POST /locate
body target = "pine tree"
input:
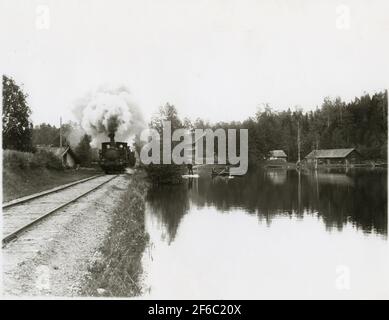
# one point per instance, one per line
(84, 151)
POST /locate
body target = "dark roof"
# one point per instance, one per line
(329, 153)
(71, 152)
(277, 153)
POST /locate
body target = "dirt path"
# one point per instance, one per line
(52, 258)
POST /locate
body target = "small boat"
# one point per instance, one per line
(189, 176)
(222, 173)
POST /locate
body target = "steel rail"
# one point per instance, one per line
(16, 233)
(44, 193)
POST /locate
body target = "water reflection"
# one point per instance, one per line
(169, 204)
(276, 176)
(338, 197)
(269, 234)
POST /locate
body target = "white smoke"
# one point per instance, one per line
(73, 133)
(109, 111)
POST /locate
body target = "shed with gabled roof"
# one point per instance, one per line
(277, 155)
(334, 156)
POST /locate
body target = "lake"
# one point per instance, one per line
(269, 234)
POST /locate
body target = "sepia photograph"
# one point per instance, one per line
(193, 150)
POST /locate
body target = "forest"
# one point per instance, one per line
(361, 124)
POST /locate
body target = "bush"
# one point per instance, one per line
(17, 159)
(164, 173)
(48, 160)
(25, 160)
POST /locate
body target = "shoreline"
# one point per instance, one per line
(325, 166)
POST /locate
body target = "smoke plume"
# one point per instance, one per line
(109, 111)
(73, 133)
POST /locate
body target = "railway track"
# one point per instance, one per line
(20, 215)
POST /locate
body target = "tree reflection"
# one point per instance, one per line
(359, 197)
(169, 204)
(337, 197)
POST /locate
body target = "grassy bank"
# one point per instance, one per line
(116, 270)
(26, 173)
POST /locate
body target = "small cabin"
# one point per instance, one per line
(277, 155)
(333, 156)
(66, 154)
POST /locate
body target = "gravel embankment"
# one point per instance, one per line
(52, 258)
(116, 270)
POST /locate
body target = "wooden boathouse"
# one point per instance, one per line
(277, 155)
(333, 157)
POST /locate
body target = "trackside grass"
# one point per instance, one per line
(26, 173)
(116, 269)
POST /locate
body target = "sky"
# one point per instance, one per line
(215, 59)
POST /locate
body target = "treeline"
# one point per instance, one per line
(361, 124)
(49, 135)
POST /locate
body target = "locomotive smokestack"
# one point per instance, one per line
(112, 138)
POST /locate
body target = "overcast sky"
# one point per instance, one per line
(215, 59)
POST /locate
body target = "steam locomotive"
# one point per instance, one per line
(115, 157)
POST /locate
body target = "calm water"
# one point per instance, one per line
(270, 234)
